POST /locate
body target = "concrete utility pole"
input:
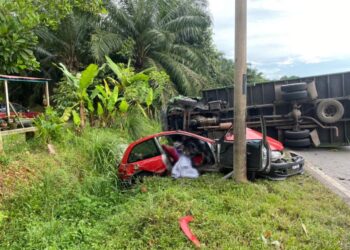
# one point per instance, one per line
(239, 95)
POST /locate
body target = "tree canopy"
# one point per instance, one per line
(174, 36)
(18, 21)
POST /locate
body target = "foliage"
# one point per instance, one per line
(168, 35)
(69, 43)
(17, 43)
(19, 19)
(63, 96)
(254, 76)
(292, 77)
(113, 97)
(80, 82)
(106, 104)
(222, 72)
(134, 87)
(104, 149)
(162, 88)
(33, 13)
(50, 126)
(138, 125)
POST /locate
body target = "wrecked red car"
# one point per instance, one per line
(156, 155)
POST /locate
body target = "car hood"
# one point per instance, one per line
(252, 134)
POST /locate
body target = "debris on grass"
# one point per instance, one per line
(304, 229)
(184, 221)
(51, 149)
(267, 239)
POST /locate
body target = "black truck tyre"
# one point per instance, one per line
(329, 111)
(294, 87)
(297, 95)
(297, 143)
(301, 134)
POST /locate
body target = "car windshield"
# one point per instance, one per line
(16, 106)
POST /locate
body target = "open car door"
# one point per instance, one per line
(144, 156)
(258, 153)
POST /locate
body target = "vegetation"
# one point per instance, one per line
(167, 35)
(174, 37)
(289, 77)
(50, 126)
(105, 101)
(18, 21)
(121, 61)
(72, 201)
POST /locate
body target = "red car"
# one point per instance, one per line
(156, 155)
(21, 111)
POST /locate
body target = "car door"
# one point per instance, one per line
(146, 156)
(258, 157)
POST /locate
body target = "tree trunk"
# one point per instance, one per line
(82, 115)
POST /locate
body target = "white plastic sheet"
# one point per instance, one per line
(183, 168)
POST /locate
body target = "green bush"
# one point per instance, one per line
(50, 126)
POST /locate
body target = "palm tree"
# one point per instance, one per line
(168, 35)
(69, 43)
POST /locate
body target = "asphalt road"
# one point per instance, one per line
(335, 163)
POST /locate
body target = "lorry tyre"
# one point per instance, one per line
(301, 134)
(297, 143)
(294, 87)
(329, 111)
(297, 95)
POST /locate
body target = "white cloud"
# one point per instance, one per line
(287, 61)
(285, 32)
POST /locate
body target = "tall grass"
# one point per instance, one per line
(136, 125)
(105, 148)
(71, 191)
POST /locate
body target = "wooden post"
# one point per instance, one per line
(47, 96)
(7, 101)
(240, 97)
(1, 145)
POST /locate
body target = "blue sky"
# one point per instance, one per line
(289, 37)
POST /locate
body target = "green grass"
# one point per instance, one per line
(72, 201)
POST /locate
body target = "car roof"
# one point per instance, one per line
(174, 132)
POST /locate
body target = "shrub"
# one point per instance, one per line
(50, 126)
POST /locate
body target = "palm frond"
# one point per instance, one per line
(173, 68)
(104, 43)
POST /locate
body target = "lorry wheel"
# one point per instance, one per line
(297, 95)
(297, 143)
(329, 111)
(301, 134)
(294, 87)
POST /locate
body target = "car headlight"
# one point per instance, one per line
(275, 156)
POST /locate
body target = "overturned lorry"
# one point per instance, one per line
(300, 112)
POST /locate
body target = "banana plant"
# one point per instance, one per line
(81, 82)
(106, 104)
(133, 87)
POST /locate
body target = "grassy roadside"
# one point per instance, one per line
(71, 201)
